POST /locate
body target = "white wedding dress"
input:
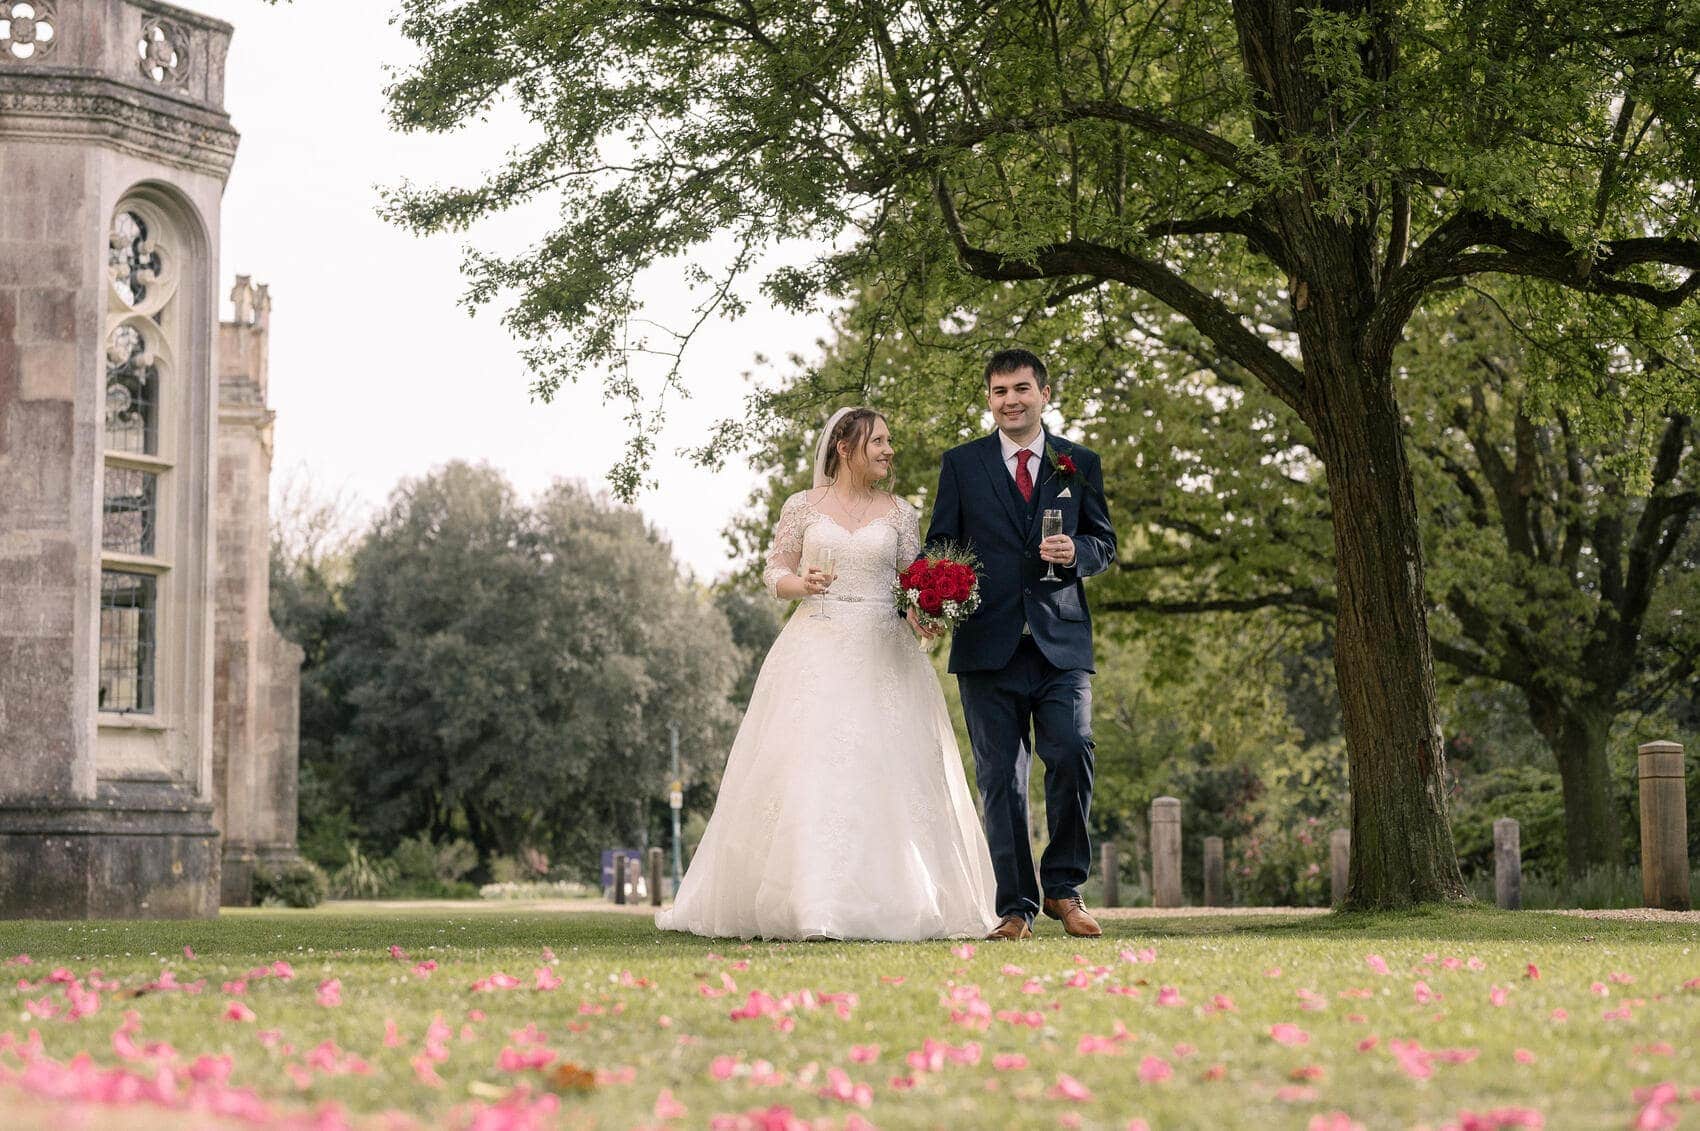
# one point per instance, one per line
(843, 812)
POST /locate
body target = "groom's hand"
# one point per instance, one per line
(1058, 548)
(921, 630)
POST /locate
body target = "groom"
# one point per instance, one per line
(1024, 659)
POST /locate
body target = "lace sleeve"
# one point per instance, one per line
(786, 552)
(908, 534)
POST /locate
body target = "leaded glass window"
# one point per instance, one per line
(132, 393)
(142, 446)
(130, 508)
(128, 637)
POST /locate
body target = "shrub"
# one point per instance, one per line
(1281, 865)
(1529, 794)
(363, 877)
(299, 883)
(425, 869)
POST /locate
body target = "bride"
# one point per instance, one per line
(843, 812)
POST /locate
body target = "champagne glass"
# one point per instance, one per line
(1050, 527)
(824, 561)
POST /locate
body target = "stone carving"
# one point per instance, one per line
(73, 114)
(27, 30)
(133, 261)
(164, 51)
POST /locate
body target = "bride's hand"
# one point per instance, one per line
(921, 630)
(817, 581)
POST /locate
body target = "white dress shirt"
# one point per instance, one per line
(1010, 447)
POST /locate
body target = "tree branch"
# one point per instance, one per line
(1210, 315)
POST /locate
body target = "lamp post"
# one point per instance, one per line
(676, 802)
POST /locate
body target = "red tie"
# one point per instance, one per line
(1023, 478)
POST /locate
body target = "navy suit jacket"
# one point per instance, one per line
(978, 505)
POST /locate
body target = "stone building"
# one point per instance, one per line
(256, 672)
(114, 152)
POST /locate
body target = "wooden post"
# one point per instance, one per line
(1507, 864)
(656, 856)
(1166, 852)
(1213, 872)
(1664, 828)
(1109, 865)
(1339, 865)
(619, 877)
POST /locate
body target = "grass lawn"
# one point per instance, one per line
(1394, 1021)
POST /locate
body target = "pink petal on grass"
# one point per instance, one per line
(1523, 1056)
(424, 969)
(236, 1011)
(1498, 995)
(1532, 972)
(282, 969)
(425, 1072)
(666, 1107)
(1377, 963)
(1009, 1062)
(330, 992)
(864, 1054)
(546, 979)
(1334, 1121)
(1168, 995)
(1154, 1070)
(964, 951)
(1285, 1033)
(1068, 1088)
(189, 953)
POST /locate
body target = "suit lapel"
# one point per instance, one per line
(1003, 486)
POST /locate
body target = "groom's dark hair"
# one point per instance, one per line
(1010, 361)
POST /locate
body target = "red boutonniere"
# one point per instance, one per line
(1063, 465)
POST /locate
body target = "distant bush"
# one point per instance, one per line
(299, 883)
(362, 876)
(1529, 794)
(429, 870)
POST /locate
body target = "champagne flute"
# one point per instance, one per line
(824, 561)
(1050, 527)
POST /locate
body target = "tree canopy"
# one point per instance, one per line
(1355, 159)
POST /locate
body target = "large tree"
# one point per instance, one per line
(1360, 154)
(509, 671)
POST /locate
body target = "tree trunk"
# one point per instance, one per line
(1578, 738)
(1402, 851)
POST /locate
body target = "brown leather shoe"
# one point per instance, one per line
(1011, 928)
(1075, 919)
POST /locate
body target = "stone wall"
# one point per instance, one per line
(256, 672)
(103, 814)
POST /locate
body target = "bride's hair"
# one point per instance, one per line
(854, 426)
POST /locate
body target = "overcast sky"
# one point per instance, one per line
(377, 372)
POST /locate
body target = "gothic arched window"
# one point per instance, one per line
(140, 445)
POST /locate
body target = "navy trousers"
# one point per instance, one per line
(1032, 706)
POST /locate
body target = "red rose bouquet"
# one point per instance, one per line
(942, 591)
